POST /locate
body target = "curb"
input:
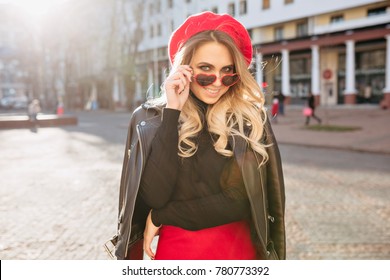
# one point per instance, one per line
(15, 122)
(342, 148)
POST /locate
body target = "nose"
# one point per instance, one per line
(218, 82)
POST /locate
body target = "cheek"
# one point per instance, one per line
(195, 88)
(224, 91)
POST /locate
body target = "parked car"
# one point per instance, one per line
(14, 102)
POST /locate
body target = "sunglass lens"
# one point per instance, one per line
(205, 80)
(229, 80)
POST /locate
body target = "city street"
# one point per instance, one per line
(59, 194)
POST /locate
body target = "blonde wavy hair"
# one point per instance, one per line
(239, 110)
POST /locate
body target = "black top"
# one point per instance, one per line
(311, 102)
(201, 191)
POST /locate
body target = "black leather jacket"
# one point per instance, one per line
(265, 188)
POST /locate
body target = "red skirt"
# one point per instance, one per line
(226, 242)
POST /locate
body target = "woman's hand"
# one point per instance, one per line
(150, 232)
(177, 87)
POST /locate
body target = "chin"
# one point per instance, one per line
(210, 100)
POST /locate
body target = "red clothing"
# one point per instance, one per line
(275, 108)
(226, 242)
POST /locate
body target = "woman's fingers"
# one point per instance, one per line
(177, 87)
(180, 78)
(147, 245)
(148, 249)
(150, 232)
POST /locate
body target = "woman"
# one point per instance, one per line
(311, 104)
(202, 169)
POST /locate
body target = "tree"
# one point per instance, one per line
(125, 36)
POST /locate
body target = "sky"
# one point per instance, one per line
(36, 8)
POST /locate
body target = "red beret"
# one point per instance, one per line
(210, 21)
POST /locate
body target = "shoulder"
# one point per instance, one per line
(146, 113)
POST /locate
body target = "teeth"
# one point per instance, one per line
(212, 91)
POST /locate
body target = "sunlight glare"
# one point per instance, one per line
(36, 8)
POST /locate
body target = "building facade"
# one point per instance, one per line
(339, 51)
(84, 51)
(15, 88)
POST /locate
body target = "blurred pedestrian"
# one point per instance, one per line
(202, 168)
(281, 99)
(34, 108)
(311, 113)
(367, 93)
(275, 109)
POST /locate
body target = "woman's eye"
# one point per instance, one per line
(228, 69)
(205, 68)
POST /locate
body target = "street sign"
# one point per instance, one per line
(327, 74)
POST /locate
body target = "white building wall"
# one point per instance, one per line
(352, 24)
(256, 17)
(280, 12)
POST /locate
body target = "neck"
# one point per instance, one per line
(199, 103)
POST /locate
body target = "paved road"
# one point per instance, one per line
(59, 188)
(338, 204)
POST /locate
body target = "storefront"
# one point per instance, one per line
(355, 62)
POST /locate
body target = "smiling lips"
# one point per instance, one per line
(212, 91)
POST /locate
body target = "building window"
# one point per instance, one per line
(250, 32)
(188, 1)
(172, 25)
(278, 33)
(158, 32)
(158, 6)
(161, 52)
(288, 1)
(370, 60)
(243, 10)
(151, 31)
(231, 9)
(214, 10)
(302, 29)
(266, 4)
(170, 3)
(341, 64)
(376, 11)
(300, 66)
(336, 18)
(151, 9)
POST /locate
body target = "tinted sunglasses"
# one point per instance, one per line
(207, 79)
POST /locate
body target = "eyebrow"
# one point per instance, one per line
(213, 66)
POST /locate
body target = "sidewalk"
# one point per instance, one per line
(374, 135)
(59, 189)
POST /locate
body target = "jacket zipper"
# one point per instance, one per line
(125, 195)
(255, 220)
(266, 216)
(265, 209)
(139, 182)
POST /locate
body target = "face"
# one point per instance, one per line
(211, 59)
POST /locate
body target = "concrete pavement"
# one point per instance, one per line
(337, 201)
(59, 187)
(373, 135)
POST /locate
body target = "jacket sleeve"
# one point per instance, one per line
(122, 187)
(161, 169)
(276, 193)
